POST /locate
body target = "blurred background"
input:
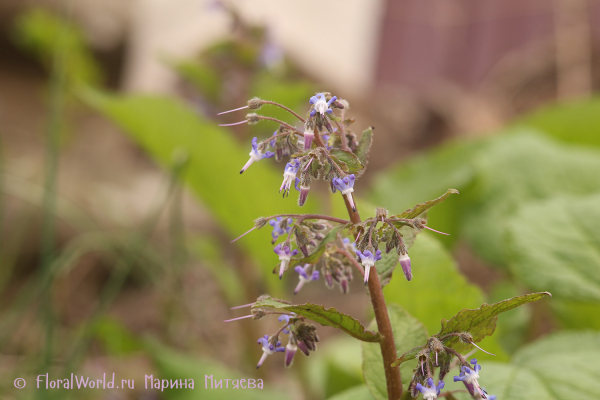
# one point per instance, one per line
(119, 194)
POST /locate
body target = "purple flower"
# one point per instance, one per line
(289, 176)
(430, 392)
(405, 264)
(309, 135)
(284, 318)
(304, 277)
(368, 260)
(277, 229)
(290, 352)
(285, 255)
(322, 106)
(346, 186)
(469, 377)
(268, 349)
(256, 155)
(303, 195)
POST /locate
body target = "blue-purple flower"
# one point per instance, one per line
(469, 377)
(278, 230)
(285, 254)
(322, 106)
(346, 186)
(256, 155)
(405, 264)
(304, 276)
(268, 349)
(289, 176)
(430, 392)
(368, 260)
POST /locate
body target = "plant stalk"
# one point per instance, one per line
(388, 347)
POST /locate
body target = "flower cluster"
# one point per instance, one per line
(313, 162)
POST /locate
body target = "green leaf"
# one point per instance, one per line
(174, 365)
(437, 280)
(356, 393)
(517, 169)
(348, 158)
(408, 333)
(165, 127)
(576, 314)
(314, 257)
(555, 245)
(424, 177)
(573, 122)
(557, 367)
(324, 316)
(421, 208)
(481, 322)
(335, 368)
(364, 149)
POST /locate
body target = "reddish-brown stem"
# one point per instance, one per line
(388, 347)
(342, 129)
(318, 140)
(284, 107)
(352, 260)
(279, 122)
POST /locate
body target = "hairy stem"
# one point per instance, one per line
(285, 108)
(388, 347)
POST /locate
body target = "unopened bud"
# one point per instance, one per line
(255, 103)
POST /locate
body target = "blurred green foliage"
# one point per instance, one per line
(528, 206)
(44, 34)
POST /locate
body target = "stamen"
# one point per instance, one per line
(426, 227)
(235, 319)
(235, 123)
(237, 109)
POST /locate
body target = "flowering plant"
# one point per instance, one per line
(336, 155)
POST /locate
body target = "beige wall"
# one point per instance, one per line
(335, 40)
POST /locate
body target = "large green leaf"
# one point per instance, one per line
(425, 177)
(334, 368)
(518, 169)
(348, 158)
(408, 333)
(166, 128)
(576, 314)
(324, 316)
(172, 365)
(438, 284)
(423, 207)
(481, 322)
(364, 149)
(555, 246)
(558, 367)
(575, 122)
